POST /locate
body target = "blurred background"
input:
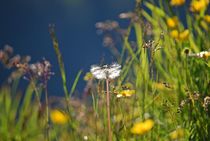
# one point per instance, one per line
(24, 26)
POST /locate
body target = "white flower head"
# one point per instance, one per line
(85, 138)
(106, 71)
(201, 54)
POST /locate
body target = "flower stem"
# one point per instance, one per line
(108, 111)
(35, 90)
(47, 113)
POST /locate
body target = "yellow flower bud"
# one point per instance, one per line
(127, 93)
(177, 2)
(58, 117)
(174, 34)
(184, 35)
(172, 22)
(177, 134)
(198, 5)
(142, 127)
(207, 18)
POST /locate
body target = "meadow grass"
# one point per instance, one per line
(162, 91)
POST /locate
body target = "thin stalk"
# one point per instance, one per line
(108, 111)
(47, 113)
(32, 80)
(152, 79)
(61, 66)
(36, 93)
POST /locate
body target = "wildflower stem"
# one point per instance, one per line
(33, 82)
(60, 60)
(108, 110)
(47, 112)
(36, 93)
(61, 66)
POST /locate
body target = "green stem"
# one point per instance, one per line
(108, 111)
(36, 93)
(47, 112)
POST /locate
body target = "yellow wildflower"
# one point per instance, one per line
(172, 22)
(198, 5)
(181, 36)
(177, 2)
(142, 127)
(207, 18)
(177, 134)
(126, 93)
(58, 117)
(184, 35)
(174, 34)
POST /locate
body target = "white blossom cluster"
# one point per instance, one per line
(200, 54)
(106, 71)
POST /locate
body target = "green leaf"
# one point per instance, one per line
(75, 83)
(155, 9)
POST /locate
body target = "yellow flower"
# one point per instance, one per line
(142, 127)
(174, 34)
(126, 93)
(58, 117)
(177, 134)
(207, 18)
(198, 5)
(184, 35)
(181, 36)
(172, 22)
(177, 2)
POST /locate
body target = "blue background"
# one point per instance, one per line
(24, 26)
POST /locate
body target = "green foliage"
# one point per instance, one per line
(19, 118)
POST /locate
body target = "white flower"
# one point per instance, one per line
(200, 54)
(106, 71)
(97, 72)
(85, 138)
